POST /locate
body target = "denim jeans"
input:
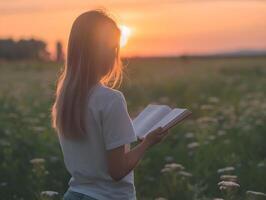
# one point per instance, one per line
(71, 195)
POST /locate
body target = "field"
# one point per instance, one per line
(225, 136)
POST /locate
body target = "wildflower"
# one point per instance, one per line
(185, 174)
(7, 131)
(223, 185)
(4, 143)
(228, 178)
(221, 133)
(206, 107)
(163, 170)
(38, 128)
(168, 158)
(254, 193)
(193, 145)
(261, 164)
(53, 158)
(160, 198)
(211, 137)
(213, 100)
(3, 184)
(226, 169)
(189, 135)
(49, 193)
(37, 161)
(174, 166)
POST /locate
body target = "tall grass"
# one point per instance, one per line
(225, 138)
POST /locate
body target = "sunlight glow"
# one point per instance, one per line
(125, 34)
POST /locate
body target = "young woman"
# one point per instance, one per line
(91, 119)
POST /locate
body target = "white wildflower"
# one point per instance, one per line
(38, 128)
(185, 174)
(168, 158)
(193, 145)
(4, 143)
(163, 170)
(189, 135)
(3, 184)
(223, 185)
(206, 107)
(37, 161)
(226, 170)
(174, 166)
(53, 158)
(228, 178)
(160, 198)
(261, 164)
(221, 133)
(213, 100)
(211, 137)
(49, 193)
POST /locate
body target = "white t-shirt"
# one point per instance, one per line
(109, 127)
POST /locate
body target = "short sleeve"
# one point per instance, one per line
(117, 124)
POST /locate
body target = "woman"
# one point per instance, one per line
(91, 118)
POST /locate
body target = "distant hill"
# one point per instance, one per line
(244, 52)
(229, 54)
(237, 53)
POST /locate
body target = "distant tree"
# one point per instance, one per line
(6, 48)
(23, 49)
(59, 52)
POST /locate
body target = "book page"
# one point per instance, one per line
(151, 115)
(170, 118)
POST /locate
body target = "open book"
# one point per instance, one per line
(155, 116)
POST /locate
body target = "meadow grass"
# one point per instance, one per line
(223, 142)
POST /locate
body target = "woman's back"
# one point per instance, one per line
(95, 133)
(109, 127)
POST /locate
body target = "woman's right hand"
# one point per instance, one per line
(155, 136)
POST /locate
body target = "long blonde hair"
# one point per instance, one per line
(92, 57)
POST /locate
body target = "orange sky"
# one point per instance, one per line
(159, 27)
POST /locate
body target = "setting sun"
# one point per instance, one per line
(125, 33)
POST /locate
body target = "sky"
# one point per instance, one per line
(158, 27)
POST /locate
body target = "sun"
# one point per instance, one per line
(125, 34)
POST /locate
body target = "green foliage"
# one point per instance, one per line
(227, 129)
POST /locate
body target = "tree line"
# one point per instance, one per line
(27, 49)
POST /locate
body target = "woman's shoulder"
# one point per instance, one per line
(107, 92)
(105, 95)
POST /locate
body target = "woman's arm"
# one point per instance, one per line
(122, 160)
